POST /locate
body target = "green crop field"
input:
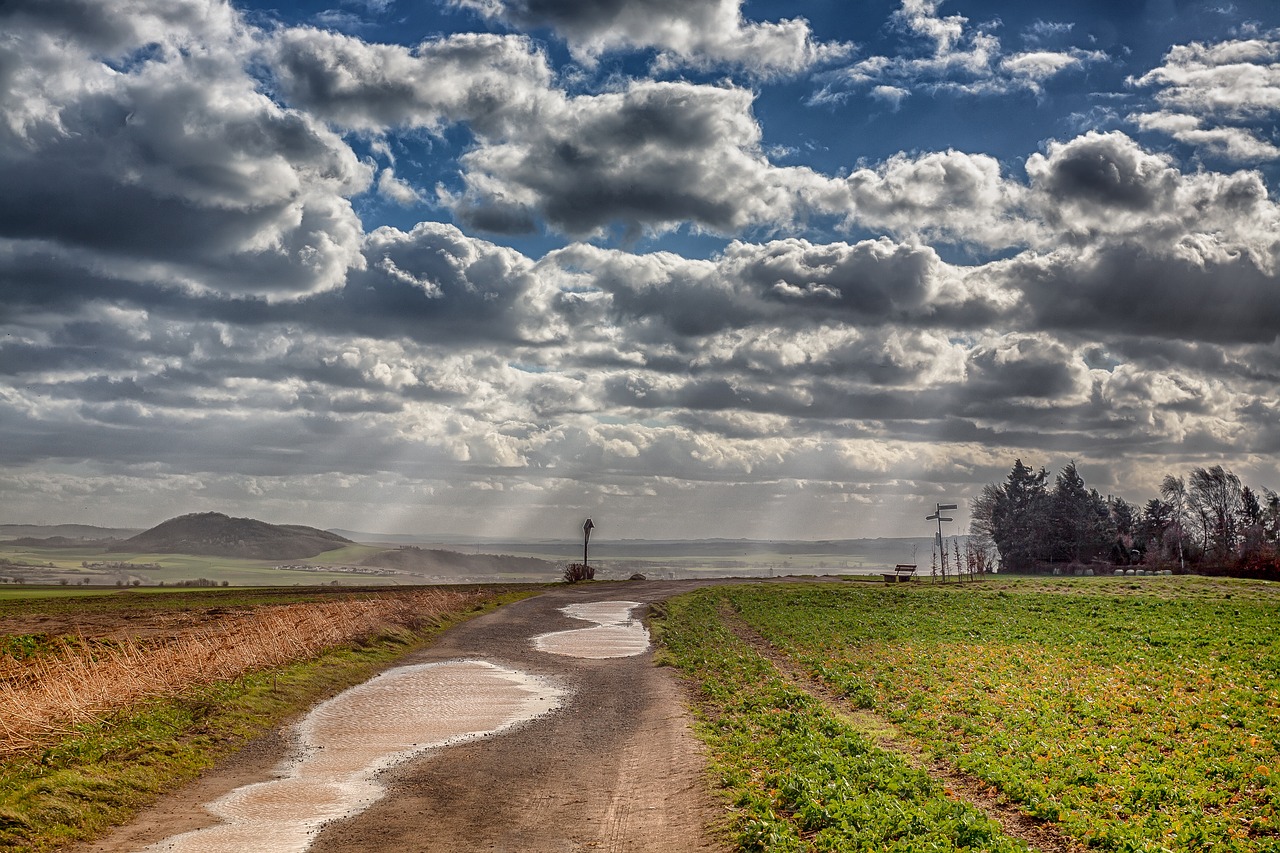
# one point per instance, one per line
(1128, 715)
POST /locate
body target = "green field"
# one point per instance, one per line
(174, 568)
(1129, 715)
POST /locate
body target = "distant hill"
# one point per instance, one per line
(213, 534)
(437, 562)
(84, 532)
(58, 542)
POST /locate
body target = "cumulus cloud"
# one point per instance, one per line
(648, 157)
(175, 165)
(1106, 189)
(783, 282)
(948, 195)
(194, 312)
(1209, 93)
(948, 54)
(684, 32)
(494, 83)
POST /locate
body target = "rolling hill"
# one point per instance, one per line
(216, 535)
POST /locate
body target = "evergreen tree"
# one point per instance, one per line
(1124, 516)
(1021, 517)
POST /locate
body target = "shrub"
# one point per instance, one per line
(575, 572)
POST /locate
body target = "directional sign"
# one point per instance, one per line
(941, 507)
(939, 517)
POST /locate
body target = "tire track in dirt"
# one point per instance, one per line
(1015, 823)
(615, 768)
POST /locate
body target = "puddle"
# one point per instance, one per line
(616, 634)
(345, 741)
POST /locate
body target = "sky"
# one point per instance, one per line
(693, 268)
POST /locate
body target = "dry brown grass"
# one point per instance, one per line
(44, 697)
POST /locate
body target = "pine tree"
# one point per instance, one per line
(1020, 518)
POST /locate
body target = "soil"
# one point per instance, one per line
(616, 768)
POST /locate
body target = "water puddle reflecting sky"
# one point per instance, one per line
(346, 740)
(615, 635)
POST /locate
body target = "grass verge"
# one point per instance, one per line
(106, 771)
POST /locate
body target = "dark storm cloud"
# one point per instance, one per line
(1125, 289)
(1107, 171)
(1029, 367)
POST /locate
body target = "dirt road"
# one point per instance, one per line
(614, 769)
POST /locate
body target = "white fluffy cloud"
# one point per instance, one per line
(684, 32)
(647, 157)
(947, 54)
(1207, 92)
(176, 168)
(494, 83)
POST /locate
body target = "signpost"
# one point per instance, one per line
(587, 527)
(937, 513)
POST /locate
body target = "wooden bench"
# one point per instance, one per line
(901, 573)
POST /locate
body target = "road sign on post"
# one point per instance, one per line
(587, 527)
(938, 515)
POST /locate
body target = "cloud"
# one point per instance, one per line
(781, 283)
(947, 54)
(1212, 96)
(648, 158)
(396, 189)
(195, 314)
(494, 83)
(172, 166)
(1106, 189)
(1236, 144)
(947, 195)
(702, 33)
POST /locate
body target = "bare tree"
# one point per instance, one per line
(1174, 491)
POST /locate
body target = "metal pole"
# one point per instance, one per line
(937, 513)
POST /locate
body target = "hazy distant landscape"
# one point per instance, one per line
(207, 546)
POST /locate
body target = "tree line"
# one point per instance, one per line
(1208, 522)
